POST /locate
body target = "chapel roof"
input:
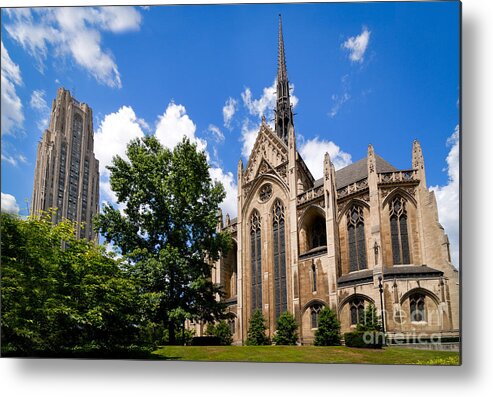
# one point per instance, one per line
(357, 171)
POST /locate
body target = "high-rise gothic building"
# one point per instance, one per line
(67, 173)
(302, 244)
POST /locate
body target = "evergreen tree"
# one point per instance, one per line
(286, 332)
(256, 330)
(167, 229)
(329, 329)
(371, 320)
(223, 332)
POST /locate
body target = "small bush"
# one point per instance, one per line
(256, 330)
(222, 331)
(329, 329)
(286, 333)
(183, 337)
(365, 339)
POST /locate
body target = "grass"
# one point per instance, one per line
(307, 354)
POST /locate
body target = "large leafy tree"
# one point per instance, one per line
(168, 228)
(62, 296)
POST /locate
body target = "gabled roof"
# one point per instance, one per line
(359, 170)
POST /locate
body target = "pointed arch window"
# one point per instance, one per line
(417, 307)
(278, 226)
(256, 261)
(314, 314)
(357, 309)
(318, 233)
(356, 239)
(399, 232)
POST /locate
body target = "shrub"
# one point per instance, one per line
(256, 330)
(329, 329)
(371, 320)
(183, 337)
(286, 333)
(221, 331)
(365, 339)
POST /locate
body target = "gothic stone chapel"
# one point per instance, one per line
(301, 244)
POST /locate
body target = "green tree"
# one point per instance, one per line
(167, 228)
(287, 330)
(63, 296)
(329, 329)
(222, 331)
(371, 320)
(256, 330)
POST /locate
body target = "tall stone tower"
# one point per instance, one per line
(67, 173)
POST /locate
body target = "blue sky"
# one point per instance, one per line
(379, 73)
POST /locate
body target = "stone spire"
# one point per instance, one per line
(284, 113)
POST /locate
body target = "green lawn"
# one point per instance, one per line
(307, 354)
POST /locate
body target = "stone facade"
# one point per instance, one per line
(67, 173)
(343, 235)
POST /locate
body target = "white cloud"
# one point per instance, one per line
(111, 139)
(229, 205)
(313, 152)
(9, 204)
(229, 111)
(216, 132)
(38, 101)
(14, 159)
(39, 104)
(337, 102)
(73, 32)
(12, 115)
(266, 104)
(249, 134)
(448, 197)
(174, 124)
(357, 45)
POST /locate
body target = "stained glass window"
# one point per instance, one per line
(256, 261)
(417, 307)
(280, 291)
(398, 231)
(356, 239)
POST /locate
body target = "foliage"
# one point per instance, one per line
(167, 229)
(367, 339)
(184, 337)
(221, 331)
(256, 330)
(63, 296)
(371, 320)
(329, 329)
(286, 332)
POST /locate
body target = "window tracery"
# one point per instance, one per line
(280, 292)
(356, 238)
(399, 232)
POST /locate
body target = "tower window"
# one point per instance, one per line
(398, 231)
(356, 239)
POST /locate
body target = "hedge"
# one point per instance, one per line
(366, 339)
